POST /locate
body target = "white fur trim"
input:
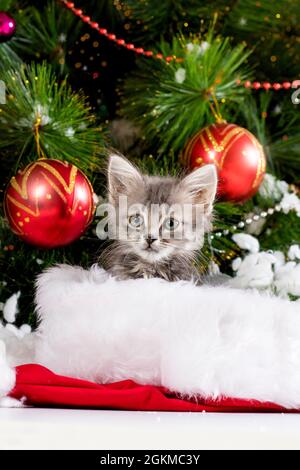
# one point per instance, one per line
(8, 402)
(194, 340)
(10, 308)
(7, 373)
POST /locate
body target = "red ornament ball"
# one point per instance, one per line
(49, 203)
(237, 154)
(7, 27)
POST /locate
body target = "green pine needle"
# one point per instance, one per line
(68, 130)
(5, 4)
(48, 33)
(151, 19)
(170, 102)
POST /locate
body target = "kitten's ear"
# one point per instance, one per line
(122, 175)
(201, 186)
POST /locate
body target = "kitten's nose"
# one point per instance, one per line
(150, 240)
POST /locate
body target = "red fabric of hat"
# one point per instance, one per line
(41, 387)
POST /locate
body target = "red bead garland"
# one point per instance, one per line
(267, 85)
(110, 36)
(139, 50)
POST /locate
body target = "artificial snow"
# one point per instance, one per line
(246, 242)
(180, 75)
(10, 308)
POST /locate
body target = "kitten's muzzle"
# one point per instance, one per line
(149, 240)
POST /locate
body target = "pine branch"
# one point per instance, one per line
(264, 17)
(286, 156)
(273, 29)
(46, 33)
(172, 101)
(275, 121)
(8, 57)
(67, 131)
(147, 21)
(5, 4)
(282, 231)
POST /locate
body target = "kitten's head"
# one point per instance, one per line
(163, 216)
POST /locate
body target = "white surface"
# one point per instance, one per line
(34, 428)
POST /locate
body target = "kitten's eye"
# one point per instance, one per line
(136, 220)
(171, 224)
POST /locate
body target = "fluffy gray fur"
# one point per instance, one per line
(171, 259)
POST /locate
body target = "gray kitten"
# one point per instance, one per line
(161, 243)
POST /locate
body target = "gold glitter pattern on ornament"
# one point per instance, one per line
(22, 190)
(217, 147)
(35, 213)
(186, 157)
(68, 188)
(55, 187)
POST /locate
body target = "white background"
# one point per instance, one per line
(35, 428)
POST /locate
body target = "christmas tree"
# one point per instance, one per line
(153, 80)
